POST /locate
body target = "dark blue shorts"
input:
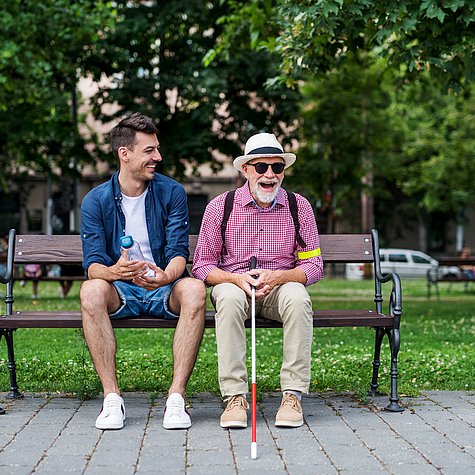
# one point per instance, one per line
(138, 301)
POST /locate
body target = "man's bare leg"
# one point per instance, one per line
(97, 297)
(188, 299)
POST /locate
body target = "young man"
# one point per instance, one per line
(261, 225)
(153, 209)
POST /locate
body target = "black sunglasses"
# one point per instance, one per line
(262, 167)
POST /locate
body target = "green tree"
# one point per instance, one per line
(42, 52)
(148, 56)
(439, 148)
(154, 60)
(317, 35)
(349, 136)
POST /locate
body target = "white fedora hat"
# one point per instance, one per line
(263, 145)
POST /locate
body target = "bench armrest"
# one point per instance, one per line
(395, 299)
(7, 277)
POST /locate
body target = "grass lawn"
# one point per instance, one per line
(437, 347)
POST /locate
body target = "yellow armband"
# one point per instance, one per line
(309, 254)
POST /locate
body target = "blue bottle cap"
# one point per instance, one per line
(126, 241)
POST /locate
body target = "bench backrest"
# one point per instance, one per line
(67, 248)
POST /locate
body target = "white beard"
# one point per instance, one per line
(266, 197)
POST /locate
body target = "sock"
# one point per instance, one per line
(297, 394)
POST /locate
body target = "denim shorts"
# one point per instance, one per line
(138, 301)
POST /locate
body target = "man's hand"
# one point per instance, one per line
(244, 282)
(151, 283)
(264, 280)
(124, 269)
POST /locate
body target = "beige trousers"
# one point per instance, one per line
(289, 304)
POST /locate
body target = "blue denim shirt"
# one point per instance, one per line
(103, 222)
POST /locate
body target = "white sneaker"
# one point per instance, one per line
(112, 415)
(176, 415)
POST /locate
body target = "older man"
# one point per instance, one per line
(279, 229)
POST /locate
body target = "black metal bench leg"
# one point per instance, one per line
(394, 342)
(379, 335)
(14, 393)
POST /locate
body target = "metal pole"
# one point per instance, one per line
(73, 211)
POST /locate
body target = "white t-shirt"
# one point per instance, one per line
(133, 208)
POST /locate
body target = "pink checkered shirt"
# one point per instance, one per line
(267, 233)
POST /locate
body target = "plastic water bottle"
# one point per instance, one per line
(135, 252)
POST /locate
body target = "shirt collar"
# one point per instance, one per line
(247, 199)
(116, 186)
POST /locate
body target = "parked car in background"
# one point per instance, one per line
(409, 264)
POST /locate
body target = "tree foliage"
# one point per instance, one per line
(154, 62)
(146, 56)
(413, 142)
(348, 133)
(438, 155)
(42, 53)
(374, 76)
(317, 35)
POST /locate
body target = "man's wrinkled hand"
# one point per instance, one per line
(264, 280)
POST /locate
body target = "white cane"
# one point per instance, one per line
(252, 266)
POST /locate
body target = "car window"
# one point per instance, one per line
(382, 257)
(397, 258)
(419, 259)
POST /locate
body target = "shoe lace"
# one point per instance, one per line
(174, 406)
(235, 402)
(290, 400)
(112, 405)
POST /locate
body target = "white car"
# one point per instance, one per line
(406, 262)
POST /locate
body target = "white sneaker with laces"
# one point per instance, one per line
(176, 415)
(112, 415)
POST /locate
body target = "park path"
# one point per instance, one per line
(55, 434)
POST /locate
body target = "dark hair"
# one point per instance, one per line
(123, 134)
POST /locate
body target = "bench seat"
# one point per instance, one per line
(63, 319)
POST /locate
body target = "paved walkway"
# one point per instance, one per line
(55, 434)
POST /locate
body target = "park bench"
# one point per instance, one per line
(336, 248)
(436, 275)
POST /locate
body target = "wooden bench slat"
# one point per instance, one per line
(48, 249)
(71, 319)
(66, 248)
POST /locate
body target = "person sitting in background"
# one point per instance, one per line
(467, 270)
(33, 272)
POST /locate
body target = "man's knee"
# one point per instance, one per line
(229, 295)
(94, 294)
(190, 291)
(295, 298)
